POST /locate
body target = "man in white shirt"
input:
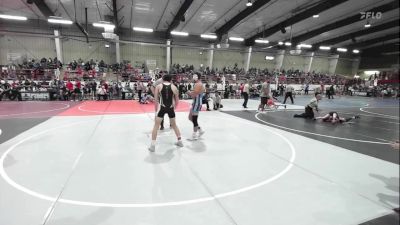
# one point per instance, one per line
(309, 113)
(289, 93)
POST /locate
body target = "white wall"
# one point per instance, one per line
(228, 58)
(293, 62)
(344, 67)
(75, 49)
(31, 47)
(320, 64)
(138, 54)
(258, 61)
(190, 56)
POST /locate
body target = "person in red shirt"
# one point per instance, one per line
(70, 88)
(79, 71)
(77, 90)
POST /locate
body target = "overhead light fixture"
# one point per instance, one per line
(324, 47)
(9, 17)
(304, 46)
(367, 25)
(341, 49)
(371, 72)
(262, 41)
(236, 39)
(106, 25)
(280, 43)
(142, 29)
(59, 20)
(288, 43)
(269, 57)
(208, 36)
(106, 45)
(315, 16)
(179, 33)
(249, 3)
(356, 51)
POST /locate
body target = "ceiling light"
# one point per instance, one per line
(269, 57)
(106, 25)
(288, 43)
(324, 47)
(142, 29)
(304, 46)
(9, 17)
(341, 49)
(107, 46)
(280, 43)
(315, 16)
(367, 25)
(178, 33)
(356, 51)
(249, 3)
(236, 39)
(209, 36)
(59, 20)
(262, 41)
(371, 72)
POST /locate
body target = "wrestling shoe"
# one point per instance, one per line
(152, 148)
(201, 132)
(179, 143)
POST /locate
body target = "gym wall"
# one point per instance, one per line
(189, 56)
(344, 67)
(29, 47)
(138, 54)
(258, 61)
(226, 58)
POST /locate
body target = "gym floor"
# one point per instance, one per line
(87, 163)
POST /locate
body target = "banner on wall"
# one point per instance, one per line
(11, 57)
(151, 63)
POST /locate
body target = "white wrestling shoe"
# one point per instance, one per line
(201, 132)
(179, 143)
(152, 148)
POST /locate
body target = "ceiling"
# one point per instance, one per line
(206, 16)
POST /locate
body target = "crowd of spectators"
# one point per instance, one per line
(96, 88)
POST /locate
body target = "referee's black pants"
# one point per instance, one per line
(287, 95)
(246, 98)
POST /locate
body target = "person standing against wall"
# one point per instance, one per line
(306, 89)
(139, 89)
(246, 92)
